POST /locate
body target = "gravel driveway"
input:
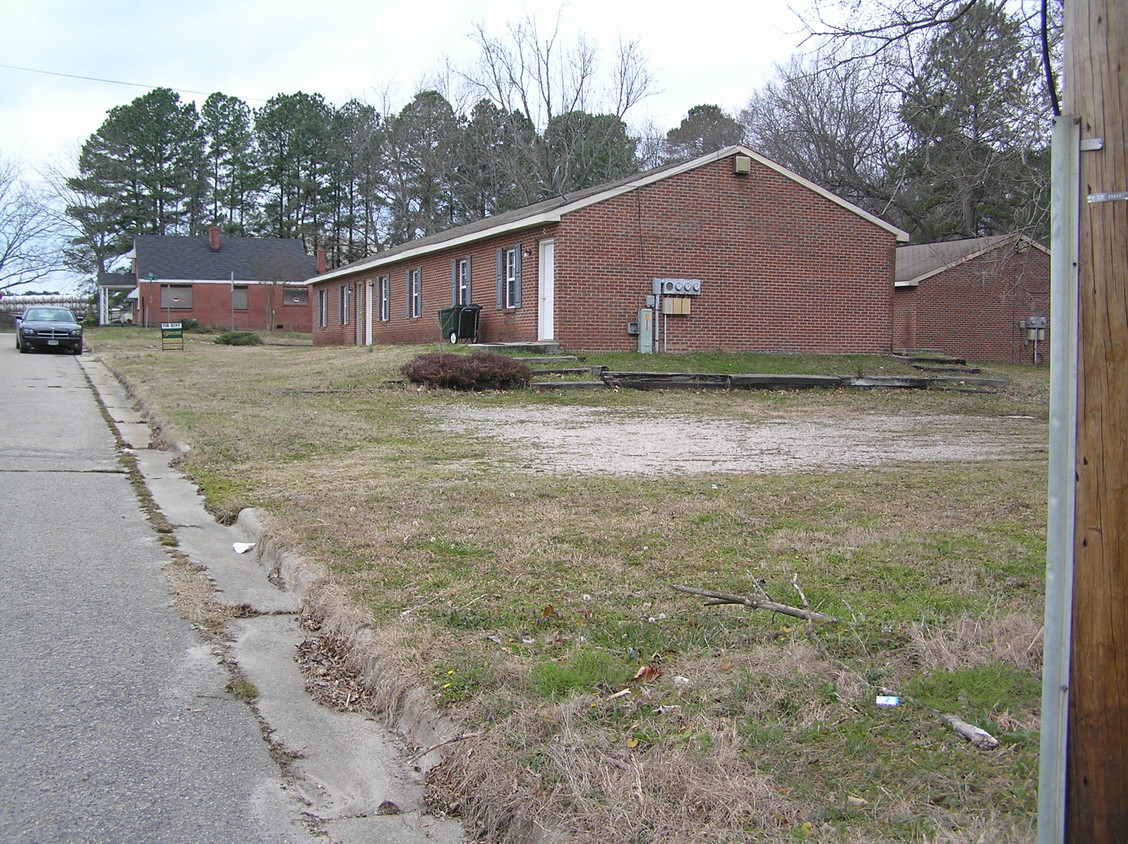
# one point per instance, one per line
(595, 441)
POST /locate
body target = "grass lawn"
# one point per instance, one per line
(525, 599)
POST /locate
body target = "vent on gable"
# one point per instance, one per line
(741, 165)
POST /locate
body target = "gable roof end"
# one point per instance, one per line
(551, 210)
(917, 263)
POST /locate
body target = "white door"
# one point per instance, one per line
(546, 299)
(368, 312)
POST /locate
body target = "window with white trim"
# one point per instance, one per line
(509, 277)
(461, 291)
(344, 305)
(384, 296)
(322, 308)
(415, 293)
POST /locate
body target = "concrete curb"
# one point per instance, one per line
(408, 710)
(285, 587)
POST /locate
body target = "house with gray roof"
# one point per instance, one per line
(726, 251)
(980, 299)
(246, 283)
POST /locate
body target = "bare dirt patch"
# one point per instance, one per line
(596, 440)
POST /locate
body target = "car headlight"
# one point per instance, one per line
(76, 332)
(25, 330)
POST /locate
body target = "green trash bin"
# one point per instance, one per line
(459, 322)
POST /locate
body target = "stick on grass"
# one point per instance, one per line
(718, 598)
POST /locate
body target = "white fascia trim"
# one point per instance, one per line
(239, 282)
(902, 236)
(554, 215)
(1021, 238)
(373, 264)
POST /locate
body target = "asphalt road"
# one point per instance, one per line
(114, 720)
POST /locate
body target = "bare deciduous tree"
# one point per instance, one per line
(29, 230)
(833, 124)
(532, 72)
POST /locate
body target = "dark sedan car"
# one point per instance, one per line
(48, 328)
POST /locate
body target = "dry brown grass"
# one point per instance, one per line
(517, 601)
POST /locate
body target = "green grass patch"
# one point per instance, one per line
(586, 670)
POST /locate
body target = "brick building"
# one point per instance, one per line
(231, 282)
(727, 251)
(976, 299)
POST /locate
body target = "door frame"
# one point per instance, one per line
(546, 290)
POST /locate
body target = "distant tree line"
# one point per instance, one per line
(931, 114)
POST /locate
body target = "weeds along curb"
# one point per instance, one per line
(401, 705)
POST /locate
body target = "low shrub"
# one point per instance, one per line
(476, 371)
(190, 324)
(239, 338)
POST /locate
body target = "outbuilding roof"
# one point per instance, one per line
(916, 263)
(551, 210)
(177, 258)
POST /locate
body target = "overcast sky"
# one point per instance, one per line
(703, 51)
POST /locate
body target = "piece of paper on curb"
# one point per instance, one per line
(242, 547)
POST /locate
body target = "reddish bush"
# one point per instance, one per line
(476, 371)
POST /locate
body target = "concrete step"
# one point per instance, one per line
(567, 370)
(567, 386)
(930, 360)
(941, 370)
(546, 348)
(548, 360)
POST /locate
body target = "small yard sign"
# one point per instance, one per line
(172, 336)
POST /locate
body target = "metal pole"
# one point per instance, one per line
(1064, 246)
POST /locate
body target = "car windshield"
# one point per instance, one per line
(49, 315)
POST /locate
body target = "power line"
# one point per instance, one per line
(116, 81)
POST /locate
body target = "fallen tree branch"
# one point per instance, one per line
(717, 598)
(457, 738)
(980, 738)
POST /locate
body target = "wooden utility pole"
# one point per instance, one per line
(1096, 90)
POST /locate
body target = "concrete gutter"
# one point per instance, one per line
(350, 775)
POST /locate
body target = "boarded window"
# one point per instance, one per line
(174, 296)
(239, 300)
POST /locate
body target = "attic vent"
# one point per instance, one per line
(742, 165)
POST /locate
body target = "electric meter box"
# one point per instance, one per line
(676, 286)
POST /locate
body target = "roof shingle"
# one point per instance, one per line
(238, 258)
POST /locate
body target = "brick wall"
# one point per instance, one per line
(495, 325)
(211, 306)
(973, 310)
(782, 269)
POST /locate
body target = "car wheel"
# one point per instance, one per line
(23, 348)
(78, 351)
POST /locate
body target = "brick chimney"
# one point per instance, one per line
(320, 261)
(213, 238)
